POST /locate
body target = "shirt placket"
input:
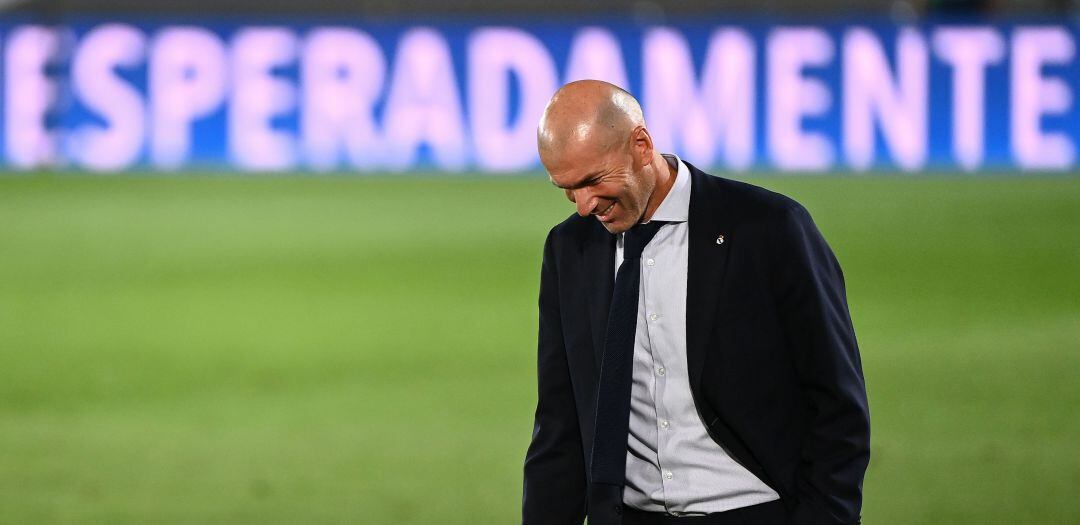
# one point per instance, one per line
(654, 317)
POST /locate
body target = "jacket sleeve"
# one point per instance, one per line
(812, 303)
(554, 487)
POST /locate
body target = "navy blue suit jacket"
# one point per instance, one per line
(774, 366)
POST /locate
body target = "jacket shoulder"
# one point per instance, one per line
(749, 201)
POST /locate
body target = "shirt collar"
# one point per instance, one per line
(676, 204)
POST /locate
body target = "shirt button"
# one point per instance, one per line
(664, 424)
(654, 317)
(661, 371)
(651, 262)
(668, 475)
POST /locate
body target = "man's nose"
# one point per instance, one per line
(585, 201)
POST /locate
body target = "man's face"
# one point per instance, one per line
(607, 185)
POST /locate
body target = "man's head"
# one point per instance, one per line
(593, 142)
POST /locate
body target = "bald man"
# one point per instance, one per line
(697, 363)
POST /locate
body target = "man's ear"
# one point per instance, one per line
(641, 146)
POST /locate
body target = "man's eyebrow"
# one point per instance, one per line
(588, 180)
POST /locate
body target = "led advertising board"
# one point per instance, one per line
(456, 96)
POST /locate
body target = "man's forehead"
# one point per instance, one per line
(574, 158)
(563, 156)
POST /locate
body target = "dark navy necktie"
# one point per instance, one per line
(613, 395)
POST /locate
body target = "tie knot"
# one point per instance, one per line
(636, 238)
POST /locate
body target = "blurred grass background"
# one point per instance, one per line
(200, 349)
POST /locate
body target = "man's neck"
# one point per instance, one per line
(666, 172)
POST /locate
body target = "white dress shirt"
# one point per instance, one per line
(672, 465)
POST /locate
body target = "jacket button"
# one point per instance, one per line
(618, 509)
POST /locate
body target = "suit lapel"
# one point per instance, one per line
(706, 268)
(711, 215)
(598, 258)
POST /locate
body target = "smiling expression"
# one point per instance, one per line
(608, 184)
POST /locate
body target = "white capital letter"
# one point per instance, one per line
(595, 54)
(495, 54)
(969, 51)
(30, 93)
(187, 81)
(343, 74)
(96, 84)
(258, 95)
(424, 105)
(870, 94)
(1034, 95)
(686, 115)
(793, 96)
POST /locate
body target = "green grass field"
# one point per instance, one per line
(361, 350)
